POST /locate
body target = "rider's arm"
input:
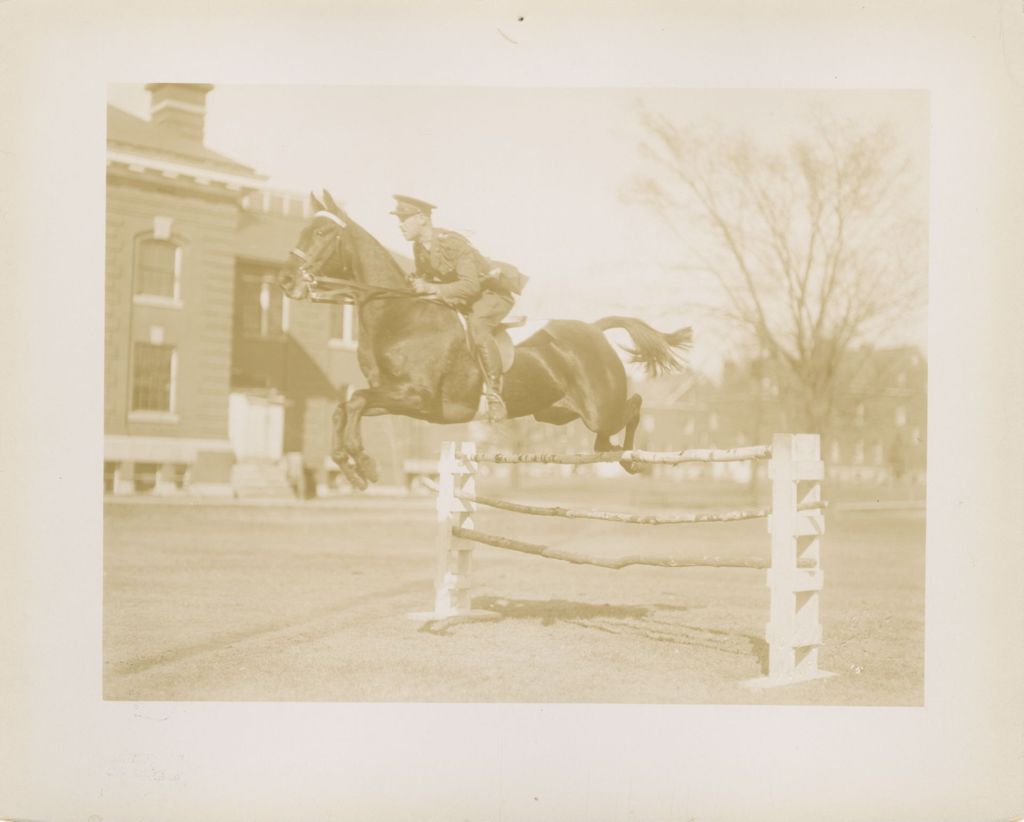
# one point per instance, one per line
(467, 286)
(421, 263)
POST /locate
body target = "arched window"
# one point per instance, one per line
(158, 269)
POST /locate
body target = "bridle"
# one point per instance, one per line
(311, 261)
(333, 289)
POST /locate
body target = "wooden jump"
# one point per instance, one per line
(751, 452)
(637, 519)
(796, 523)
(615, 564)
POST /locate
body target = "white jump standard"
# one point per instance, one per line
(796, 522)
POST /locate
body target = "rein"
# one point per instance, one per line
(355, 290)
(344, 289)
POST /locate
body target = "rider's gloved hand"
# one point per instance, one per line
(423, 287)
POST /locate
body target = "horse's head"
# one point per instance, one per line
(324, 249)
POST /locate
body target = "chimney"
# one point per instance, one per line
(180, 108)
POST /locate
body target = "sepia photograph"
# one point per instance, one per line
(359, 373)
(511, 412)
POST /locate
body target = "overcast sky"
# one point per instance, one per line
(534, 175)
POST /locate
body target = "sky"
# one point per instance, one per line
(534, 176)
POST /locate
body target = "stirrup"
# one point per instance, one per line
(497, 411)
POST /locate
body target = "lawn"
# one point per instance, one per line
(309, 602)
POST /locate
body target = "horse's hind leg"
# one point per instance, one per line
(556, 415)
(633, 405)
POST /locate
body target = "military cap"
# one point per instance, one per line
(407, 206)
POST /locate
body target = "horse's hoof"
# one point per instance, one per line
(354, 478)
(367, 467)
(348, 468)
(631, 466)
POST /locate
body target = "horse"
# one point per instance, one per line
(417, 361)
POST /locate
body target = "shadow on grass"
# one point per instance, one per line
(653, 622)
(550, 611)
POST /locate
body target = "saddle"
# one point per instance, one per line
(503, 342)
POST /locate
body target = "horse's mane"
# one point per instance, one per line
(372, 252)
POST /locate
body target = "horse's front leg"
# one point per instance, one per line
(342, 457)
(351, 441)
(406, 399)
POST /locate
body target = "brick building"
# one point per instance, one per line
(214, 382)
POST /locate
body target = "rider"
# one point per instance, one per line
(449, 267)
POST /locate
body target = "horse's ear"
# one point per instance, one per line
(333, 206)
(317, 205)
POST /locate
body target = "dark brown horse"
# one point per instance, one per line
(417, 362)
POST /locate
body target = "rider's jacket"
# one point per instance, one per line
(453, 263)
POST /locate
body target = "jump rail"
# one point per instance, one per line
(795, 521)
(752, 452)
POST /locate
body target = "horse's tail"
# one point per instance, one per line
(659, 353)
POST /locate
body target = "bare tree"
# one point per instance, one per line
(815, 249)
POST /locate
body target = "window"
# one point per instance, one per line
(859, 419)
(713, 422)
(342, 333)
(153, 375)
(858, 453)
(261, 307)
(157, 269)
(901, 415)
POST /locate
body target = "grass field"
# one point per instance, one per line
(308, 602)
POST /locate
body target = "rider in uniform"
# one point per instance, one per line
(449, 267)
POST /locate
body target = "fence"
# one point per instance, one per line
(796, 523)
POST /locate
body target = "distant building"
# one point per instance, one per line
(215, 383)
(882, 432)
(879, 433)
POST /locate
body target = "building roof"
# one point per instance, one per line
(130, 133)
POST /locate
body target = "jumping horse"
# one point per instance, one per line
(417, 362)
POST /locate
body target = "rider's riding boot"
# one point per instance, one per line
(490, 364)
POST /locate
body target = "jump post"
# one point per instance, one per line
(796, 523)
